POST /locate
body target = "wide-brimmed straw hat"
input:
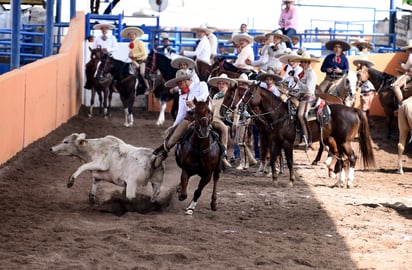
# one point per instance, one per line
(286, 57)
(181, 75)
(201, 28)
(182, 59)
(238, 37)
(278, 33)
(331, 44)
(306, 57)
(363, 61)
(222, 78)
(164, 35)
(125, 32)
(286, 51)
(407, 47)
(362, 42)
(259, 38)
(243, 78)
(99, 26)
(263, 75)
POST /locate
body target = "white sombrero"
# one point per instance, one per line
(263, 75)
(164, 35)
(181, 75)
(236, 38)
(279, 34)
(306, 57)
(222, 78)
(125, 32)
(99, 26)
(201, 29)
(362, 42)
(243, 78)
(182, 59)
(287, 57)
(259, 38)
(331, 44)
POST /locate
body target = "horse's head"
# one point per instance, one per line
(202, 118)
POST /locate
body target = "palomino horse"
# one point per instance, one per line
(336, 129)
(382, 82)
(342, 92)
(155, 63)
(125, 84)
(199, 153)
(405, 129)
(100, 86)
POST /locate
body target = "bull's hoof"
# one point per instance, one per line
(70, 184)
(92, 199)
(213, 206)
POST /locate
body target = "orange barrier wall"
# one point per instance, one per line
(39, 97)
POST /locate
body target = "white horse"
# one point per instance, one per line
(405, 128)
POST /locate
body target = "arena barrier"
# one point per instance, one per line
(39, 97)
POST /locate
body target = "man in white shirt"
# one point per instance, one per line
(106, 41)
(189, 90)
(203, 50)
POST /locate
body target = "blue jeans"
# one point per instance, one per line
(290, 32)
(236, 151)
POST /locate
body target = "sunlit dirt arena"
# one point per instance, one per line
(45, 225)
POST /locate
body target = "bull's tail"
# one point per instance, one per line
(365, 141)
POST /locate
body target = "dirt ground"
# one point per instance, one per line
(45, 225)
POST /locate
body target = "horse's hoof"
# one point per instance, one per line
(314, 162)
(213, 206)
(90, 115)
(92, 199)
(189, 212)
(70, 184)
(291, 184)
(182, 197)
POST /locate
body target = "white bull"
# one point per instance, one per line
(111, 159)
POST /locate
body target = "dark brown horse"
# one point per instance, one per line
(199, 153)
(155, 63)
(339, 129)
(382, 82)
(125, 84)
(101, 86)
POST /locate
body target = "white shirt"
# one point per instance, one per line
(110, 43)
(202, 51)
(245, 53)
(198, 90)
(307, 84)
(213, 43)
(289, 79)
(408, 65)
(273, 89)
(263, 60)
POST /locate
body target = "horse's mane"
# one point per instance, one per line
(381, 78)
(119, 67)
(159, 61)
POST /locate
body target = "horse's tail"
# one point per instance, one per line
(365, 141)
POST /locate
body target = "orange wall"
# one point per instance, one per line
(38, 97)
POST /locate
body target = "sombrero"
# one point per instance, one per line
(331, 43)
(201, 29)
(125, 32)
(279, 34)
(306, 57)
(182, 59)
(99, 26)
(263, 75)
(407, 47)
(181, 75)
(363, 61)
(222, 78)
(243, 78)
(164, 35)
(284, 52)
(363, 42)
(286, 57)
(259, 38)
(238, 37)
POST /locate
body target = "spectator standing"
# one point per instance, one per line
(288, 20)
(364, 47)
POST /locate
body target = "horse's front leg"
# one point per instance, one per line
(213, 202)
(182, 187)
(319, 154)
(288, 147)
(92, 95)
(93, 191)
(161, 118)
(204, 180)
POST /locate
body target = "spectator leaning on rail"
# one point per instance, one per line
(188, 92)
(137, 52)
(203, 50)
(223, 83)
(403, 79)
(364, 47)
(288, 20)
(335, 65)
